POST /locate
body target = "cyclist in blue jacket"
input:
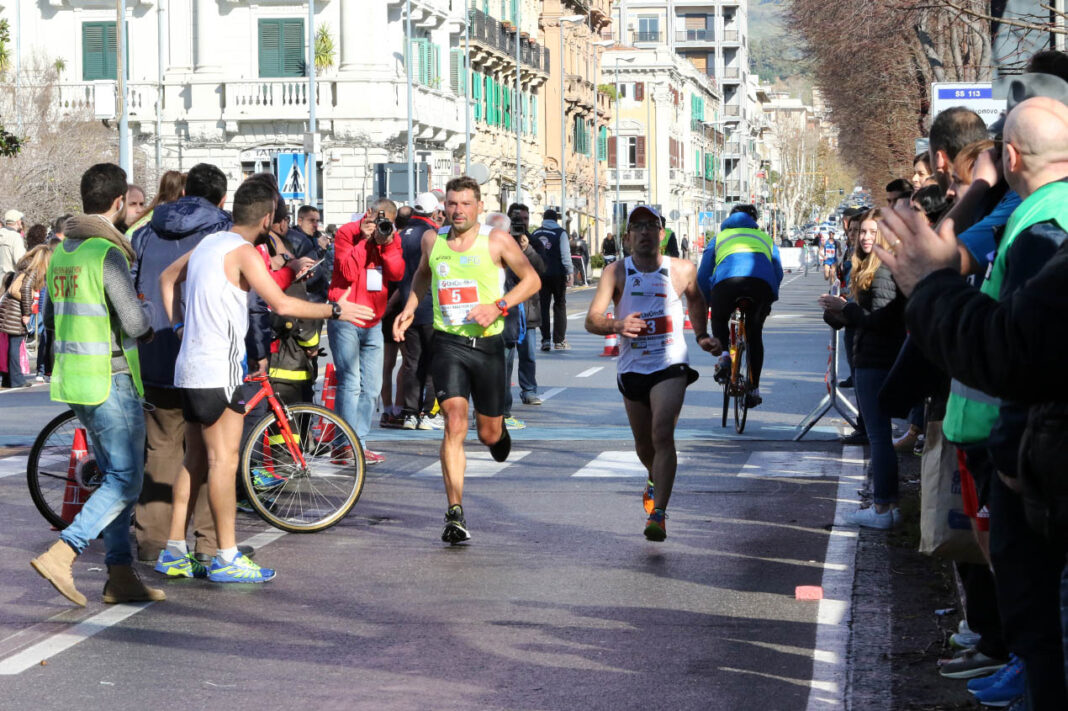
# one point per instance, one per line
(742, 261)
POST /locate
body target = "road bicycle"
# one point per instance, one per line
(301, 466)
(739, 381)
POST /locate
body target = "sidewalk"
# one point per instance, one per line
(896, 634)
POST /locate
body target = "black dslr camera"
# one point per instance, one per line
(383, 224)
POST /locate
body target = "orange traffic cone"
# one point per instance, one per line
(687, 326)
(611, 342)
(74, 496)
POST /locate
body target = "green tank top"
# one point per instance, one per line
(463, 280)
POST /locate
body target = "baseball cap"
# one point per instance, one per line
(13, 216)
(647, 208)
(1027, 86)
(426, 203)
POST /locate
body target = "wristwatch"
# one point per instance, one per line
(336, 311)
(503, 306)
(702, 335)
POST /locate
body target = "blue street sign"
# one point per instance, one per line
(966, 93)
(291, 175)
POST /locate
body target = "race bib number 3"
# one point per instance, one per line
(456, 297)
(658, 326)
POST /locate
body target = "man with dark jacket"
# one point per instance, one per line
(175, 229)
(943, 316)
(417, 346)
(558, 275)
(520, 324)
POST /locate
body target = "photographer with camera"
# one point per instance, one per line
(367, 256)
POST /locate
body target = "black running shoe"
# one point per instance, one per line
(455, 530)
(854, 437)
(502, 447)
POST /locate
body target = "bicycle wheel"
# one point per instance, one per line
(309, 498)
(56, 475)
(741, 389)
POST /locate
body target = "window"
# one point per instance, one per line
(633, 148)
(426, 58)
(476, 95)
(99, 45)
(639, 91)
(456, 71)
(602, 143)
(648, 29)
(281, 48)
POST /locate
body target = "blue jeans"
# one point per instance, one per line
(867, 382)
(116, 429)
(358, 354)
(15, 377)
(528, 384)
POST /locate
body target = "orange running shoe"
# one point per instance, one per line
(656, 526)
(647, 498)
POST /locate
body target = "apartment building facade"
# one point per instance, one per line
(666, 146)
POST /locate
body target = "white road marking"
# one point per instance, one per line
(591, 371)
(579, 314)
(480, 465)
(834, 615)
(614, 465)
(788, 465)
(784, 316)
(551, 393)
(12, 466)
(48, 648)
(80, 631)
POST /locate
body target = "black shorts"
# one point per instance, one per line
(205, 406)
(636, 386)
(466, 367)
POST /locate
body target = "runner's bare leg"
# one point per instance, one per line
(453, 459)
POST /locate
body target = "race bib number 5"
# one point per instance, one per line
(456, 297)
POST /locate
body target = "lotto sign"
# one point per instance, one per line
(977, 96)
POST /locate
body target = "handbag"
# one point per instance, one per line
(945, 530)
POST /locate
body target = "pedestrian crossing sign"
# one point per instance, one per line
(291, 171)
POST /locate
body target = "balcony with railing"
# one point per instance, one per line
(489, 33)
(647, 36)
(695, 36)
(732, 73)
(731, 36)
(580, 92)
(628, 176)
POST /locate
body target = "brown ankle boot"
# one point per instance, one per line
(55, 565)
(124, 585)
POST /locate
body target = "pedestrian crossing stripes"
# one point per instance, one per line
(613, 465)
(12, 466)
(790, 465)
(480, 465)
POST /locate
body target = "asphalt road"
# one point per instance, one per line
(558, 602)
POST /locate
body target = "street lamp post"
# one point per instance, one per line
(563, 118)
(408, 78)
(619, 149)
(597, 145)
(517, 121)
(313, 127)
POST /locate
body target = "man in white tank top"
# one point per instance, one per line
(217, 275)
(653, 366)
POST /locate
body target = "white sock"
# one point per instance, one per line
(226, 555)
(177, 548)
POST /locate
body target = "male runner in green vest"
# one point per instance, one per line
(96, 317)
(464, 265)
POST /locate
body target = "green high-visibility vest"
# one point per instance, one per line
(971, 413)
(81, 374)
(742, 239)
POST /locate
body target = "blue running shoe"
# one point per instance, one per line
(242, 570)
(985, 682)
(1009, 688)
(180, 566)
(263, 480)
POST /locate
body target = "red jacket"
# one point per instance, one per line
(353, 257)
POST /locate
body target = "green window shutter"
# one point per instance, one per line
(294, 62)
(476, 94)
(281, 48)
(99, 45)
(508, 109)
(456, 72)
(534, 115)
(435, 66)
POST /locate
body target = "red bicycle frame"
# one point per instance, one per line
(280, 415)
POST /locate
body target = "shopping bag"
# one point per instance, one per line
(945, 530)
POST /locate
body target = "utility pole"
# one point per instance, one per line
(518, 113)
(120, 59)
(312, 179)
(408, 75)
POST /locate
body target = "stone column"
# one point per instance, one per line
(207, 20)
(179, 37)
